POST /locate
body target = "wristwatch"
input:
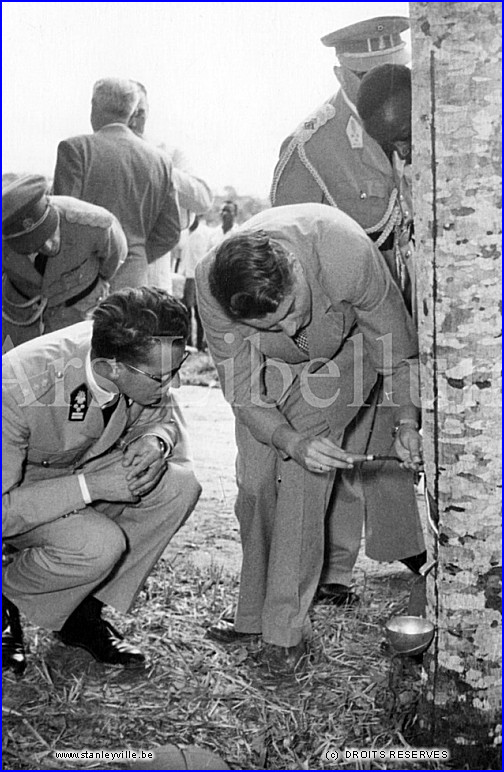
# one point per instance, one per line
(163, 447)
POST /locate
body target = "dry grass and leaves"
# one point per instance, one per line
(195, 692)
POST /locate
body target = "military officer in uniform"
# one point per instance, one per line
(97, 475)
(59, 255)
(330, 159)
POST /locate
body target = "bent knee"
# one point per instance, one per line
(103, 545)
(190, 487)
(179, 485)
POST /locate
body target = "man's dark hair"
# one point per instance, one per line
(379, 85)
(230, 204)
(384, 104)
(127, 324)
(250, 275)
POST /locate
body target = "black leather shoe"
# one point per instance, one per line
(13, 652)
(224, 632)
(103, 642)
(282, 660)
(336, 595)
(415, 562)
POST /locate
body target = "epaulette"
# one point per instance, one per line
(302, 134)
(82, 213)
(29, 388)
(314, 122)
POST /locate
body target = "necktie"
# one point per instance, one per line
(40, 263)
(108, 409)
(301, 340)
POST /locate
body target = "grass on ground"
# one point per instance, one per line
(195, 692)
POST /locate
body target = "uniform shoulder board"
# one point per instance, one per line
(79, 403)
(82, 213)
(28, 388)
(314, 122)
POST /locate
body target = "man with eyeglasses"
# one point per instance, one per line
(97, 475)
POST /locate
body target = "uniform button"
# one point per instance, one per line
(408, 253)
(45, 462)
(363, 195)
(59, 374)
(406, 213)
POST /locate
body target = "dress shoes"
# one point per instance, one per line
(336, 595)
(415, 562)
(225, 632)
(103, 642)
(13, 652)
(281, 661)
(86, 629)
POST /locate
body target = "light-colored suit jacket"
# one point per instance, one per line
(53, 428)
(132, 179)
(359, 328)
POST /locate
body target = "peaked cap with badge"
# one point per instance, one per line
(28, 219)
(364, 45)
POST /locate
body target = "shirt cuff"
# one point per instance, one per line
(84, 489)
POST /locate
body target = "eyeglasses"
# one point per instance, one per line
(161, 379)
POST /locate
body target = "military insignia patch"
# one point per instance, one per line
(354, 133)
(79, 403)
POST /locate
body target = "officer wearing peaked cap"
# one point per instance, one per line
(330, 159)
(59, 254)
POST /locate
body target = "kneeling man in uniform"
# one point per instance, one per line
(97, 476)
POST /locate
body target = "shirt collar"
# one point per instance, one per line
(102, 396)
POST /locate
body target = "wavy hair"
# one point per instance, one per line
(250, 275)
(127, 324)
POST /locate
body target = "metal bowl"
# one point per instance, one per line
(408, 634)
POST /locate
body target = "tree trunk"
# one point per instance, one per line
(457, 184)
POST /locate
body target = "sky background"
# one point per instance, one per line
(227, 82)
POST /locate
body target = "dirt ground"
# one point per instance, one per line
(210, 536)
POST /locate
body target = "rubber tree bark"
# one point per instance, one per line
(456, 67)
